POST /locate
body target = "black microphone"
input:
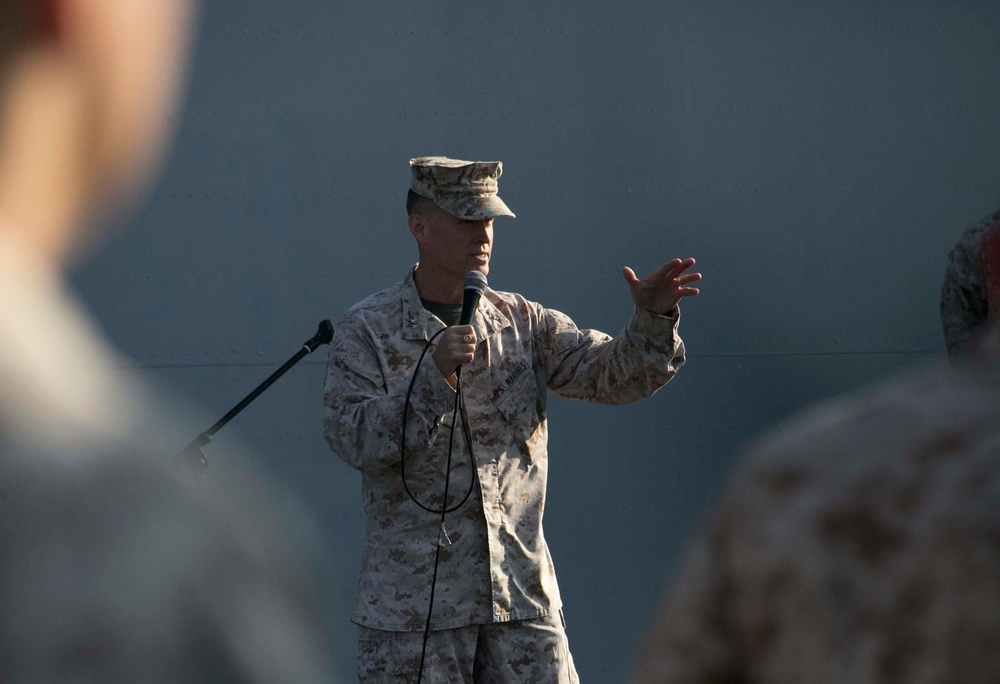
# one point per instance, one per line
(474, 285)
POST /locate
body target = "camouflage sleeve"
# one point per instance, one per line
(591, 366)
(362, 417)
(963, 303)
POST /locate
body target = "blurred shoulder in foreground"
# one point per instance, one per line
(119, 568)
(858, 543)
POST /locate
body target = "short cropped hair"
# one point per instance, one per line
(416, 203)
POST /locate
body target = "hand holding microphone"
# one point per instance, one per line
(458, 342)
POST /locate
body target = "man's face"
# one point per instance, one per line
(455, 246)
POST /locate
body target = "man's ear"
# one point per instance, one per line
(418, 226)
(47, 19)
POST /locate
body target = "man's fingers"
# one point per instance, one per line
(676, 267)
(666, 269)
(630, 276)
(463, 343)
(463, 334)
(671, 269)
(688, 278)
(456, 348)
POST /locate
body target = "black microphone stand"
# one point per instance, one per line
(193, 457)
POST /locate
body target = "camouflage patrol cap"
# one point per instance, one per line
(464, 189)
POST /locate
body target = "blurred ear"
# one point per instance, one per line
(48, 19)
(418, 226)
(27, 22)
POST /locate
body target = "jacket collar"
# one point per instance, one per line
(419, 324)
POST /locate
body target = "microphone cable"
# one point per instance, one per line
(458, 413)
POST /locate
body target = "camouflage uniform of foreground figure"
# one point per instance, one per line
(858, 545)
(970, 293)
(496, 614)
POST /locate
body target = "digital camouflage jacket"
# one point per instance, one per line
(494, 563)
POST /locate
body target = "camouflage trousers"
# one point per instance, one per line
(516, 652)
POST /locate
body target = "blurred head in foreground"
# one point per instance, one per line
(87, 88)
(115, 567)
(857, 544)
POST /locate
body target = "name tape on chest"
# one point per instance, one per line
(517, 375)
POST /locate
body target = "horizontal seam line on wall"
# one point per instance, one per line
(843, 353)
(159, 366)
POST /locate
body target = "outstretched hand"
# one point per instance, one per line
(660, 291)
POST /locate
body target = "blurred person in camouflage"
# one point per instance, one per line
(115, 567)
(858, 544)
(970, 292)
(497, 614)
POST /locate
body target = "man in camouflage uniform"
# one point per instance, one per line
(858, 545)
(497, 612)
(970, 293)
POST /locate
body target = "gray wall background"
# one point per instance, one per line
(818, 159)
